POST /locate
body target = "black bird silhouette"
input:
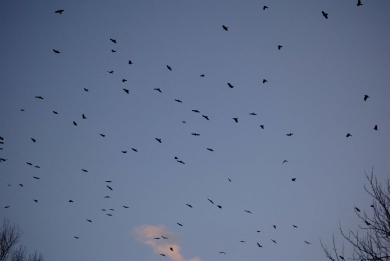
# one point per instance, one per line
(162, 254)
(112, 72)
(76, 237)
(264, 81)
(262, 126)
(124, 151)
(35, 200)
(189, 205)
(242, 241)
(109, 187)
(59, 11)
(29, 163)
(219, 206)
(108, 181)
(195, 134)
(89, 220)
(367, 223)
(21, 185)
(36, 177)
(125, 206)
(159, 140)
(157, 89)
(84, 170)
(325, 14)
(358, 210)
(307, 242)
(210, 201)
(178, 100)
(130, 62)
(56, 51)
(7, 207)
(348, 135)
(107, 197)
(21, 109)
(342, 257)
(224, 27)
(33, 139)
(113, 40)
(222, 252)
(114, 51)
(180, 224)
(376, 127)
(252, 113)
(259, 245)
(210, 149)
(169, 67)
(39, 97)
(85, 89)
(280, 47)
(84, 116)
(230, 85)
(247, 211)
(37, 167)
(258, 231)
(196, 111)
(230, 180)
(55, 112)
(171, 248)
(274, 226)
(1, 159)
(124, 80)
(273, 241)
(265, 7)
(126, 90)
(295, 226)
(366, 97)
(289, 134)
(70, 201)
(180, 161)
(134, 149)
(164, 237)
(284, 161)
(74, 123)
(202, 75)
(235, 119)
(206, 117)
(359, 3)
(293, 179)
(109, 215)
(102, 135)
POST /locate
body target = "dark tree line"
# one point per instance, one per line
(10, 235)
(371, 241)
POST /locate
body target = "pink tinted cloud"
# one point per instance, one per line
(147, 234)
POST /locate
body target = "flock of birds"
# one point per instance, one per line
(159, 140)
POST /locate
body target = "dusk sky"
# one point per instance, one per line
(314, 89)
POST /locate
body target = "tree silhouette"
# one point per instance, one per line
(372, 240)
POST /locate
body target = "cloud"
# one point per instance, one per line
(147, 234)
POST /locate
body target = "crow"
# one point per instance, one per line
(235, 119)
(376, 127)
(259, 245)
(6, 206)
(348, 135)
(274, 226)
(102, 135)
(124, 80)
(189, 205)
(130, 62)
(265, 80)
(202, 75)
(366, 97)
(1, 159)
(359, 3)
(325, 14)
(242, 241)
(229, 180)
(85, 89)
(210, 201)
(84, 170)
(196, 111)
(171, 248)
(289, 134)
(162, 254)
(358, 210)
(29, 163)
(33, 139)
(195, 134)
(89, 220)
(84, 117)
(59, 11)
(112, 72)
(134, 149)
(109, 187)
(109, 215)
(262, 126)
(74, 123)
(169, 67)
(107, 197)
(76, 237)
(39, 97)
(125, 206)
(55, 112)
(164, 237)
(113, 40)
(35, 200)
(293, 179)
(230, 85)
(295, 226)
(367, 223)
(280, 47)
(126, 90)
(307, 242)
(178, 100)
(157, 89)
(180, 224)
(210, 149)
(219, 206)
(21, 185)
(114, 51)
(284, 161)
(108, 181)
(224, 27)
(247, 211)
(265, 7)
(56, 51)
(222, 252)
(36, 177)
(252, 113)
(159, 140)
(273, 241)
(206, 117)
(70, 201)
(124, 151)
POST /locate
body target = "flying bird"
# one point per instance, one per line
(36, 177)
(295, 226)
(76, 237)
(29, 163)
(229, 180)
(7, 207)
(35, 200)
(325, 14)
(171, 248)
(376, 127)
(39, 97)
(180, 224)
(219, 206)
(230, 85)
(109, 215)
(210, 149)
(210, 201)
(169, 67)
(107, 197)
(70, 201)
(284, 161)
(157, 89)
(242, 241)
(134, 149)
(196, 111)
(84, 170)
(366, 97)
(114, 51)
(159, 140)
(273, 241)
(55, 112)
(202, 75)
(130, 62)
(162, 254)
(262, 126)
(178, 100)
(112, 72)
(89, 220)
(247, 211)
(124, 151)
(74, 123)
(259, 245)
(348, 135)
(109, 187)
(264, 81)
(124, 80)
(189, 205)
(307, 242)
(56, 51)
(235, 119)
(113, 40)
(195, 134)
(206, 117)
(102, 135)
(252, 113)
(1, 159)
(125, 206)
(293, 179)
(359, 3)
(33, 139)
(85, 89)
(84, 117)
(59, 11)
(358, 210)
(108, 181)
(126, 91)
(21, 185)
(280, 47)
(289, 134)
(222, 252)
(224, 27)
(265, 7)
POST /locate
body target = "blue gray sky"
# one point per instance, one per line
(315, 88)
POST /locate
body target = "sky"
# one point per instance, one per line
(316, 83)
